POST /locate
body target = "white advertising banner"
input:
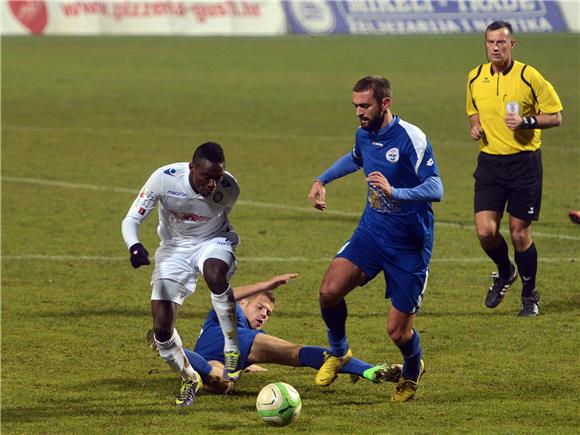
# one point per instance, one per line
(145, 17)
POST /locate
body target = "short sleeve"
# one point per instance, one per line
(547, 99)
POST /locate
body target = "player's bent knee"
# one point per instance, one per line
(215, 274)
(328, 298)
(399, 335)
(394, 334)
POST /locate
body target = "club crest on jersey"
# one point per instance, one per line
(218, 196)
(392, 155)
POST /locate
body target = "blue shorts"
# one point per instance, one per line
(405, 270)
(210, 344)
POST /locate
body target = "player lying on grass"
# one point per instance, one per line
(255, 306)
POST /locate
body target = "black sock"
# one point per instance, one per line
(500, 257)
(527, 262)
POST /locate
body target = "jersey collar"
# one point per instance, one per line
(389, 126)
(505, 71)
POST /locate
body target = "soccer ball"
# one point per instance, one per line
(278, 404)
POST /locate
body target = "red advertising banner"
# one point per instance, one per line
(147, 17)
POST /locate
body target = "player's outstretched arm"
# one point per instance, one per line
(347, 164)
(271, 284)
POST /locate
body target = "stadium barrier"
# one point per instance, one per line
(280, 17)
(145, 17)
(362, 17)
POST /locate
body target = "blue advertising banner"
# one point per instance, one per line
(402, 17)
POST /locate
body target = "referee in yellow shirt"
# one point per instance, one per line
(509, 103)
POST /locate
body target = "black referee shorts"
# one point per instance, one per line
(515, 180)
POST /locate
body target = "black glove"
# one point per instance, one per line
(139, 255)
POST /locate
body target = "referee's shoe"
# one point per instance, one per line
(498, 288)
(530, 305)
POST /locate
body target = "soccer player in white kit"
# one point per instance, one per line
(193, 201)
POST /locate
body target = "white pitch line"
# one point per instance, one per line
(70, 185)
(177, 133)
(481, 259)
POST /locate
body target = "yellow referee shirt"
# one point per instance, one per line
(526, 91)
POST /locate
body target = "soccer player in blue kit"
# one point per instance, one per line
(394, 234)
(256, 302)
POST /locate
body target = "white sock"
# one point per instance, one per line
(225, 308)
(172, 352)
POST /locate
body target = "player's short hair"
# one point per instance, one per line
(379, 85)
(210, 151)
(268, 293)
(500, 24)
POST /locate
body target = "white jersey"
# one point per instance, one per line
(185, 217)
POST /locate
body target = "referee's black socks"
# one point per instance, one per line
(500, 257)
(527, 262)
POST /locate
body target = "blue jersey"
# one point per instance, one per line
(210, 343)
(403, 154)
(213, 321)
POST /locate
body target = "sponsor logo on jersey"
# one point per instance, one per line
(430, 162)
(192, 217)
(176, 193)
(170, 171)
(531, 210)
(486, 80)
(379, 202)
(392, 155)
(141, 211)
(218, 196)
(225, 183)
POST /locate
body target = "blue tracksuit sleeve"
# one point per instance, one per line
(343, 166)
(430, 190)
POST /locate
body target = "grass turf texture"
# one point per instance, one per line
(106, 112)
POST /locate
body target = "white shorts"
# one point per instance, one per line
(183, 264)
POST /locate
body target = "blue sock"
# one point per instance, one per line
(411, 351)
(335, 319)
(198, 363)
(313, 356)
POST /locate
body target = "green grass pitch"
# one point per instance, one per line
(86, 120)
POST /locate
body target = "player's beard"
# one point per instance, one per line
(374, 124)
